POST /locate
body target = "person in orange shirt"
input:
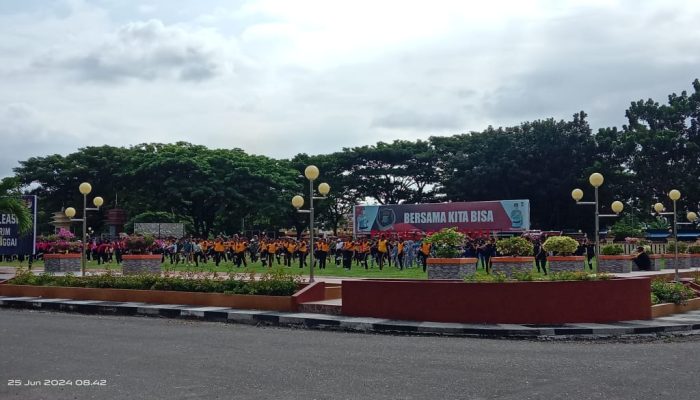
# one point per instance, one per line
(230, 250)
(323, 249)
(399, 253)
(239, 248)
(425, 253)
(271, 251)
(382, 251)
(364, 252)
(347, 253)
(263, 252)
(302, 251)
(219, 249)
(357, 251)
(204, 246)
(289, 249)
(280, 250)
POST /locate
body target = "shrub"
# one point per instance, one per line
(671, 247)
(612, 250)
(655, 299)
(528, 276)
(514, 247)
(670, 292)
(659, 224)
(272, 283)
(65, 234)
(627, 226)
(560, 245)
(446, 242)
(65, 247)
(524, 276)
(138, 244)
(694, 249)
(571, 276)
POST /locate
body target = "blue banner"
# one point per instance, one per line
(10, 240)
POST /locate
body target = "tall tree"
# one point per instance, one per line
(661, 145)
(541, 161)
(393, 173)
(11, 203)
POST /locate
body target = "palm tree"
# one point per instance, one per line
(11, 203)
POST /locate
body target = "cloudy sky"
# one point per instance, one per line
(280, 77)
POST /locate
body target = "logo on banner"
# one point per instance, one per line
(386, 218)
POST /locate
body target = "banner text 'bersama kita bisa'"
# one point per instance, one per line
(498, 216)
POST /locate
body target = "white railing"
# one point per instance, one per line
(656, 248)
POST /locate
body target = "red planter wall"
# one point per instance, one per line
(513, 302)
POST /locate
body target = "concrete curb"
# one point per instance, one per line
(688, 323)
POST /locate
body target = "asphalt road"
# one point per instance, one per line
(151, 358)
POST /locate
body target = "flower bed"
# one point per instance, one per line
(276, 283)
(273, 291)
(672, 298)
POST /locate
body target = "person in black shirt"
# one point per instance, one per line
(642, 259)
(540, 257)
(590, 253)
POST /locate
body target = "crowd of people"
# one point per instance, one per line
(382, 251)
(286, 251)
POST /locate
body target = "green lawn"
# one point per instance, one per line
(416, 272)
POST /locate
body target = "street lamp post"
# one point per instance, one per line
(85, 189)
(596, 180)
(311, 172)
(674, 195)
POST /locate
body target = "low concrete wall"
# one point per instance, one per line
(665, 309)
(684, 261)
(560, 264)
(62, 263)
(509, 265)
(451, 268)
(615, 264)
(539, 302)
(133, 264)
(275, 303)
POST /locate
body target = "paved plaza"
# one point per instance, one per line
(172, 359)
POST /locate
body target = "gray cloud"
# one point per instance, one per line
(146, 51)
(417, 119)
(25, 134)
(283, 78)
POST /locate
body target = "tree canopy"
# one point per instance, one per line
(224, 190)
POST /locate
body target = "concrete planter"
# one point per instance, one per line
(538, 302)
(509, 265)
(62, 263)
(451, 268)
(657, 261)
(683, 261)
(255, 302)
(141, 264)
(665, 309)
(694, 261)
(615, 264)
(565, 263)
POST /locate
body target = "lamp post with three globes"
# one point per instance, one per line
(311, 172)
(85, 189)
(596, 180)
(659, 208)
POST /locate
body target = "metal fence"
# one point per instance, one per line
(160, 230)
